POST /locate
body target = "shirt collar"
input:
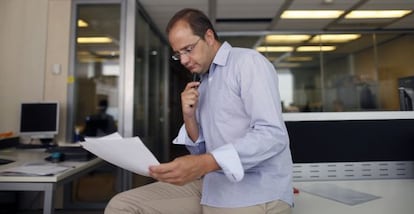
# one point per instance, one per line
(222, 54)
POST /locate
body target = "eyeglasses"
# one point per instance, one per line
(185, 51)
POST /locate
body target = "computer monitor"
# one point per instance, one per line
(406, 102)
(39, 120)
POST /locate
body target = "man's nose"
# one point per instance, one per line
(184, 59)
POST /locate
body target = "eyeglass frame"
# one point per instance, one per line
(185, 51)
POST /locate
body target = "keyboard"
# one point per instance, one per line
(33, 146)
(75, 153)
(5, 161)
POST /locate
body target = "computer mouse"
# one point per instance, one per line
(56, 157)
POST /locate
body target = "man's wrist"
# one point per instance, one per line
(209, 163)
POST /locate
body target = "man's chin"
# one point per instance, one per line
(194, 70)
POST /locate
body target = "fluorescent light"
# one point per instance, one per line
(82, 23)
(286, 38)
(311, 14)
(334, 38)
(274, 48)
(94, 40)
(315, 48)
(83, 53)
(298, 58)
(376, 14)
(107, 53)
(287, 65)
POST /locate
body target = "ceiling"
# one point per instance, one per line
(244, 23)
(264, 15)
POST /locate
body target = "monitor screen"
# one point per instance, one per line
(406, 92)
(39, 120)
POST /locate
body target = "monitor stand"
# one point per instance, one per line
(34, 143)
(47, 142)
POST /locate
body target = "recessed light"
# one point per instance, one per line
(94, 40)
(286, 38)
(311, 14)
(315, 48)
(334, 38)
(376, 14)
(274, 48)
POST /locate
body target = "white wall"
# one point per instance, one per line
(34, 35)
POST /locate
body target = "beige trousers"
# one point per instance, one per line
(163, 198)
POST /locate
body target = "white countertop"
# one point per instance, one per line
(396, 197)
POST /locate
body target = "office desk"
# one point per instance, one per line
(47, 184)
(397, 196)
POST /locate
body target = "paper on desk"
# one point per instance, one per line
(128, 153)
(337, 193)
(35, 169)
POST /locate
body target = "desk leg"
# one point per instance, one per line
(48, 203)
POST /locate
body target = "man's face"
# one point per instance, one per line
(191, 50)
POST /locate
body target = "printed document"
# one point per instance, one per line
(128, 153)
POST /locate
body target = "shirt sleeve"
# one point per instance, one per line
(227, 158)
(266, 136)
(197, 147)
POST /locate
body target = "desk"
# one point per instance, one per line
(47, 184)
(397, 196)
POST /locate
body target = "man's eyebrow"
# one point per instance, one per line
(183, 48)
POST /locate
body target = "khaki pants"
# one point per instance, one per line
(163, 198)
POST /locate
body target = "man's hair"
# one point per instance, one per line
(198, 21)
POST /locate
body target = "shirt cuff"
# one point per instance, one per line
(227, 158)
(183, 139)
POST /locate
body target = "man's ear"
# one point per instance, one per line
(209, 37)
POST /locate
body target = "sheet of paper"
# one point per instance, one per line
(128, 153)
(35, 169)
(340, 194)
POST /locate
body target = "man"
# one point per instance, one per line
(240, 160)
(101, 123)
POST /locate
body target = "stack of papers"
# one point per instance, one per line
(128, 153)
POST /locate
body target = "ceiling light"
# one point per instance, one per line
(298, 58)
(82, 23)
(315, 48)
(287, 65)
(334, 38)
(94, 40)
(274, 49)
(376, 14)
(107, 53)
(83, 53)
(286, 38)
(311, 14)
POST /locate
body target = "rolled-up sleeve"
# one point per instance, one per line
(227, 158)
(197, 147)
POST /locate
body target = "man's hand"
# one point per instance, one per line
(184, 169)
(189, 99)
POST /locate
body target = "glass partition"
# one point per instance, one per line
(340, 72)
(96, 69)
(94, 87)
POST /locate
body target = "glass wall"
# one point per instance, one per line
(150, 106)
(95, 87)
(96, 70)
(341, 72)
(149, 83)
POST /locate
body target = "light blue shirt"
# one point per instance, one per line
(241, 125)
